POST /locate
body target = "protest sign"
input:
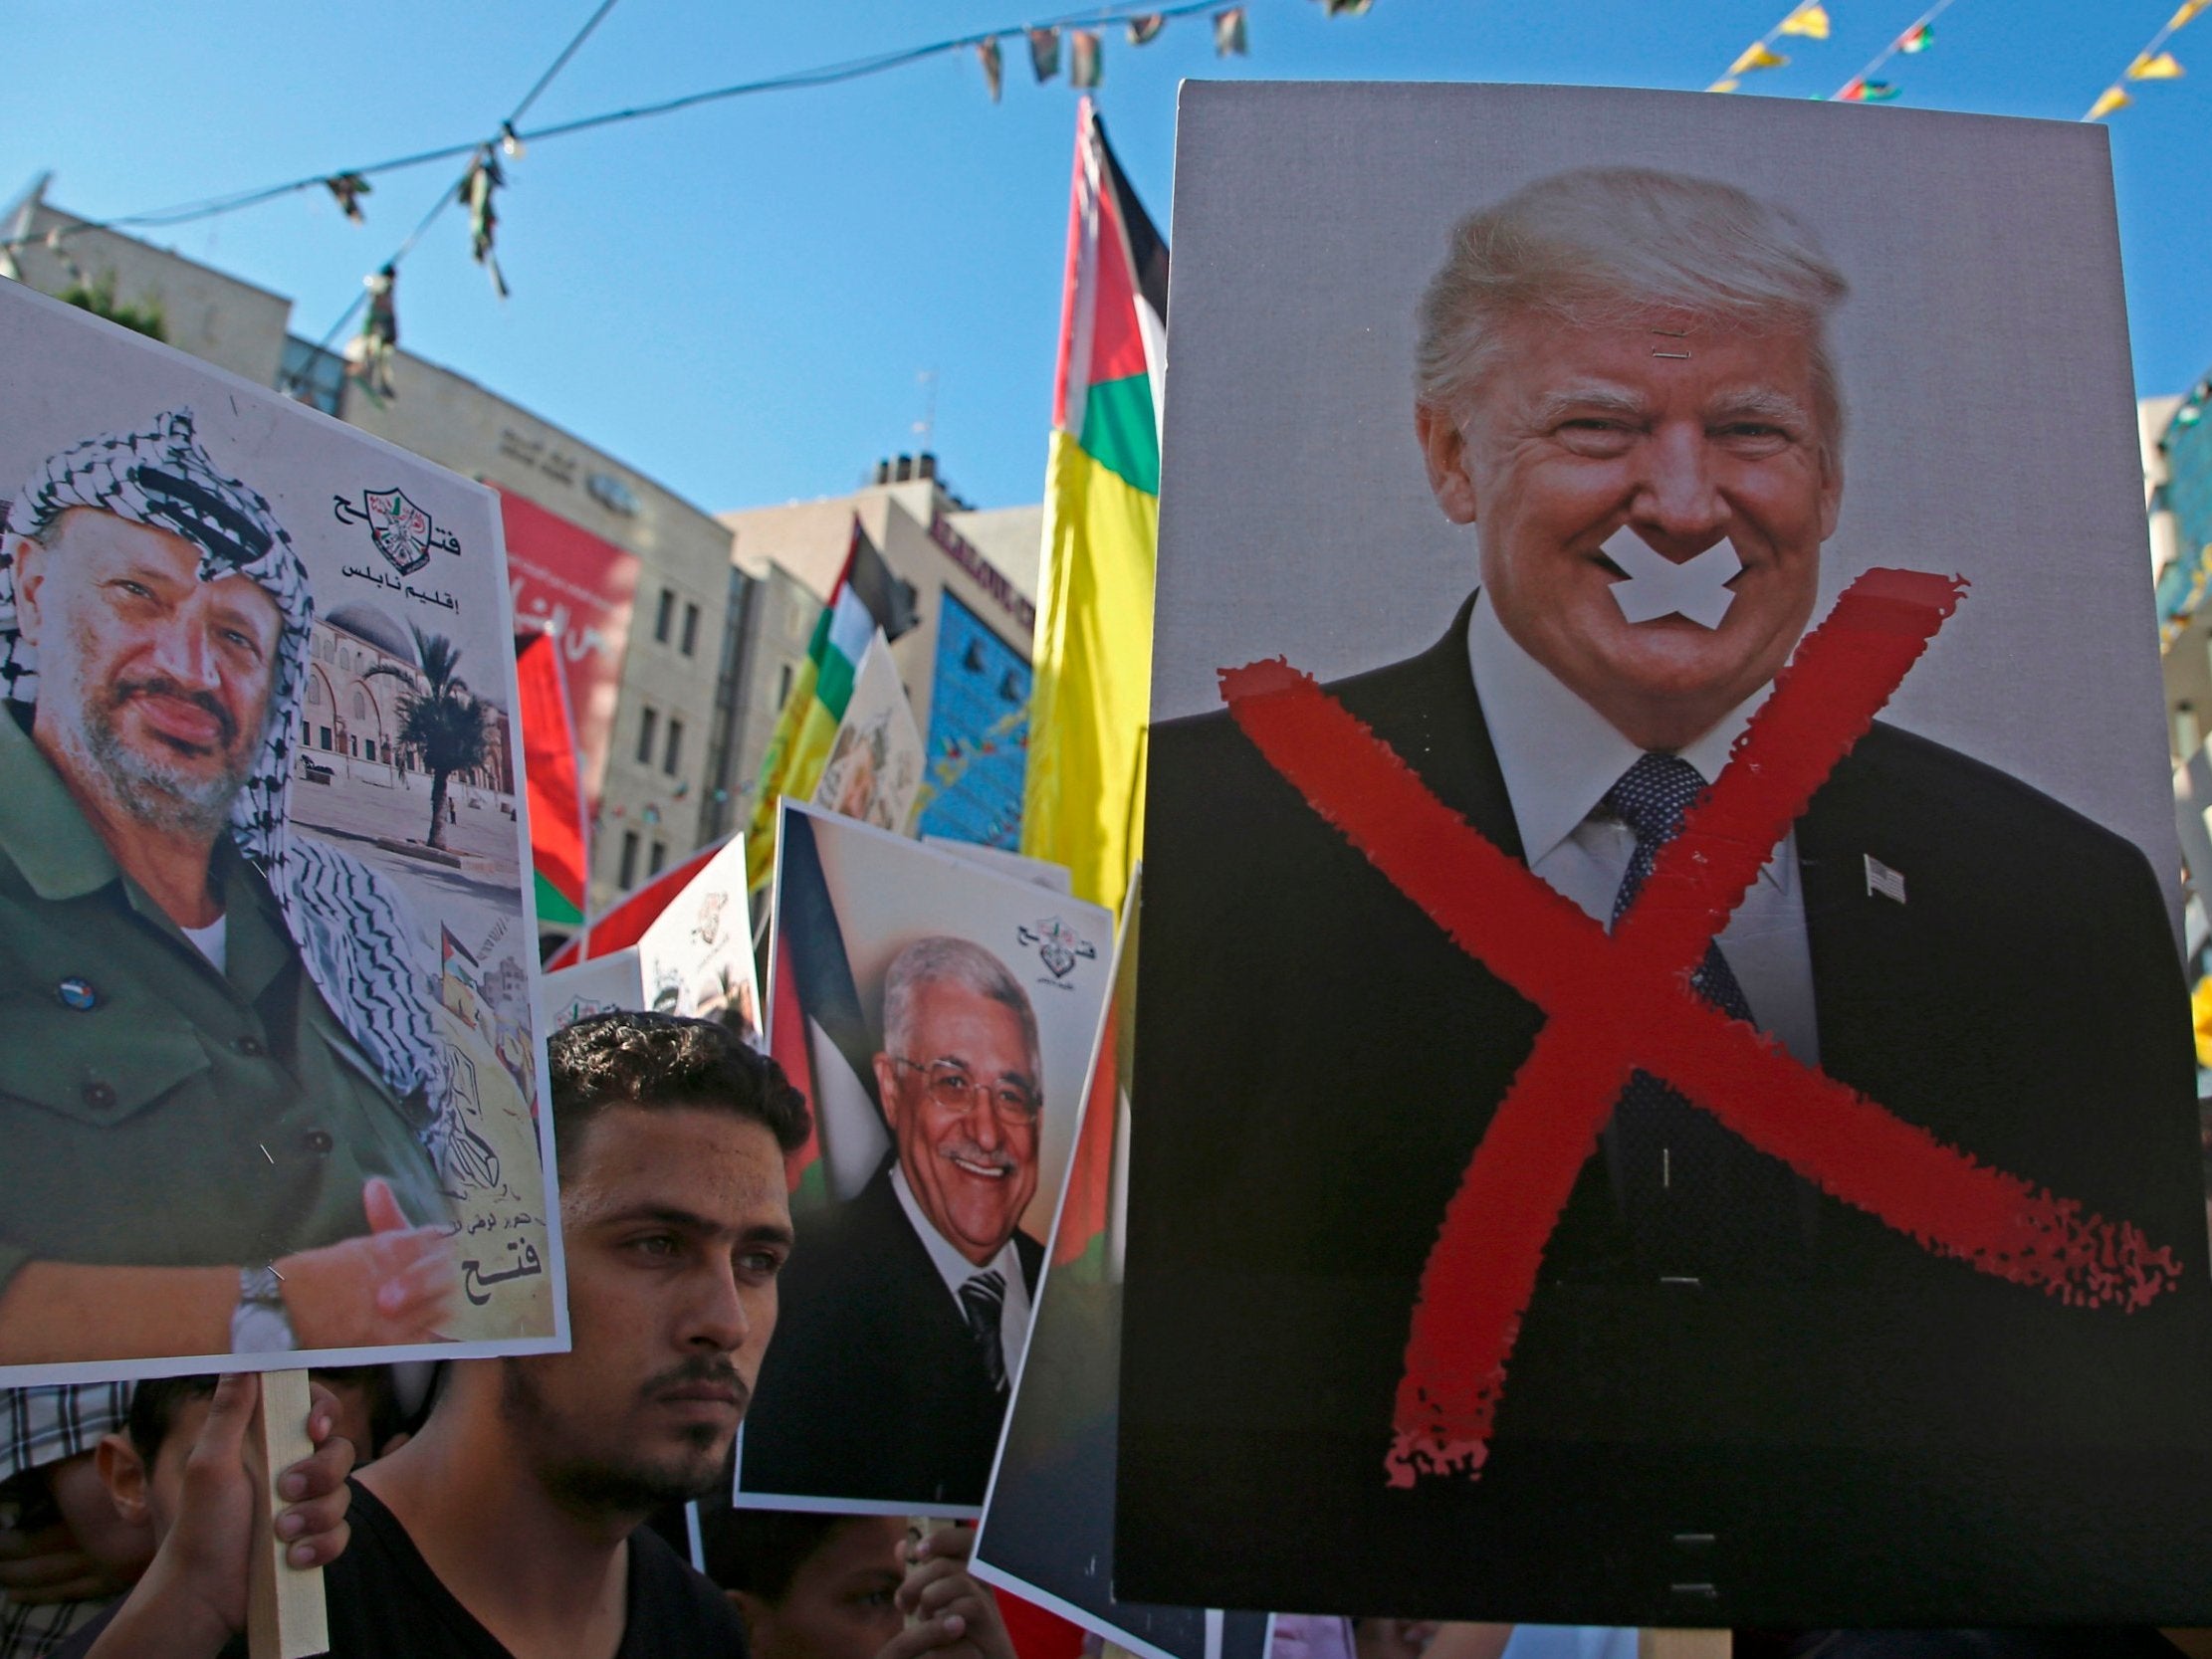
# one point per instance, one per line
(1469, 1212)
(268, 1041)
(1047, 1529)
(939, 1018)
(694, 959)
(874, 769)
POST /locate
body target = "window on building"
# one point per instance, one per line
(659, 858)
(673, 755)
(664, 616)
(784, 685)
(648, 728)
(628, 872)
(310, 374)
(360, 705)
(691, 629)
(325, 735)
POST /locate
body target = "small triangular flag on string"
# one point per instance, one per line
(368, 355)
(2189, 9)
(478, 188)
(1229, 33)
(350, 188)
(511, 142)
(1146, 28)
(1919, 37)
(1346, 8)
(1044, 52)
(995, 66)
(1876, 92)
(1085, 62)
(1808, 20)
(1727, 83)
(1758, 55)
(2165, 67)
(2110, 99)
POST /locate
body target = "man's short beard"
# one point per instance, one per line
(160, 797)
(608, 1484)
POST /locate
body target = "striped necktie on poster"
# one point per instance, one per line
(983, 1299)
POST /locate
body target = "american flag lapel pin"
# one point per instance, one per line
(1882, 880)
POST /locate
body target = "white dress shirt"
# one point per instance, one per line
(1559, 756)
(956, 1270)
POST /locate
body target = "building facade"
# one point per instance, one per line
(965, 664)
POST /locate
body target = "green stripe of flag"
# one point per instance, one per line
(1119, 432)
(554, 908)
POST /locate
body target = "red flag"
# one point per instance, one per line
(787, 1047)
(560, 842)
(624, 924)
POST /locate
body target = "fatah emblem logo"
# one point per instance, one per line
(402, 532)
(1059, 946)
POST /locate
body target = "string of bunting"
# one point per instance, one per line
(1810, 20)
(1862, 88)
(2153, 63)
(1807, 20)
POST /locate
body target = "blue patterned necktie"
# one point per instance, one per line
(983, 1299)
(1699, 1200)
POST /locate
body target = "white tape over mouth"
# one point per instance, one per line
(1655, 586)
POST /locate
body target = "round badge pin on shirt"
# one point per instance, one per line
(78, 994)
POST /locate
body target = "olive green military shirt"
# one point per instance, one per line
(154, 1112)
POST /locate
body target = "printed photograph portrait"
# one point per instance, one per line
(269, 1060)
(1664, 1065)
(939, 1018)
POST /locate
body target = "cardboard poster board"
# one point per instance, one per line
(874, 769)
(695, 958)
(939, 1018)
(239, 624)
(1047, 1531)
(1843, 1329)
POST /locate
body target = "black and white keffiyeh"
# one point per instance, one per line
(356, 936)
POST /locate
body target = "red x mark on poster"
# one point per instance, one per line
(1622, 1003)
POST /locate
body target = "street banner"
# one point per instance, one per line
(270, 1060)
(579, 588)
(874, 769)
(939, 1018)
(1660, 985)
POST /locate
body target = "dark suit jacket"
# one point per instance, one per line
(1316, 1063)
(873, 1385)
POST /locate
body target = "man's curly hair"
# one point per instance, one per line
(661, 1060)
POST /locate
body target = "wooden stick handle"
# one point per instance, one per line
(285, 1617)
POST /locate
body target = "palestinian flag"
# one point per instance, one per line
(1919, 37)
(817, 1030)
(1083, 802)
(626, 920)
(559, 839)
(1866, 92)
(866, 597)
(1082, 1238)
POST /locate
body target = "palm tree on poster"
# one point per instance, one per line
(440, 719)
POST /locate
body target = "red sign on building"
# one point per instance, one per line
(578, 587)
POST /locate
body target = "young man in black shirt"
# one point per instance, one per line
(509, 1527)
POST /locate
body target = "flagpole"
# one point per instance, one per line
(1896, 44)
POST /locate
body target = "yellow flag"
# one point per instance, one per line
(2165, 67)
(1727, 84)
(2200, 1006)
(2110, 99)
(1808, 20)
(2189, 9)
(1757, 55)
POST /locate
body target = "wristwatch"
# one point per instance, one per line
(259, 1324)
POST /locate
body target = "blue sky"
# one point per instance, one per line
(741, 299)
